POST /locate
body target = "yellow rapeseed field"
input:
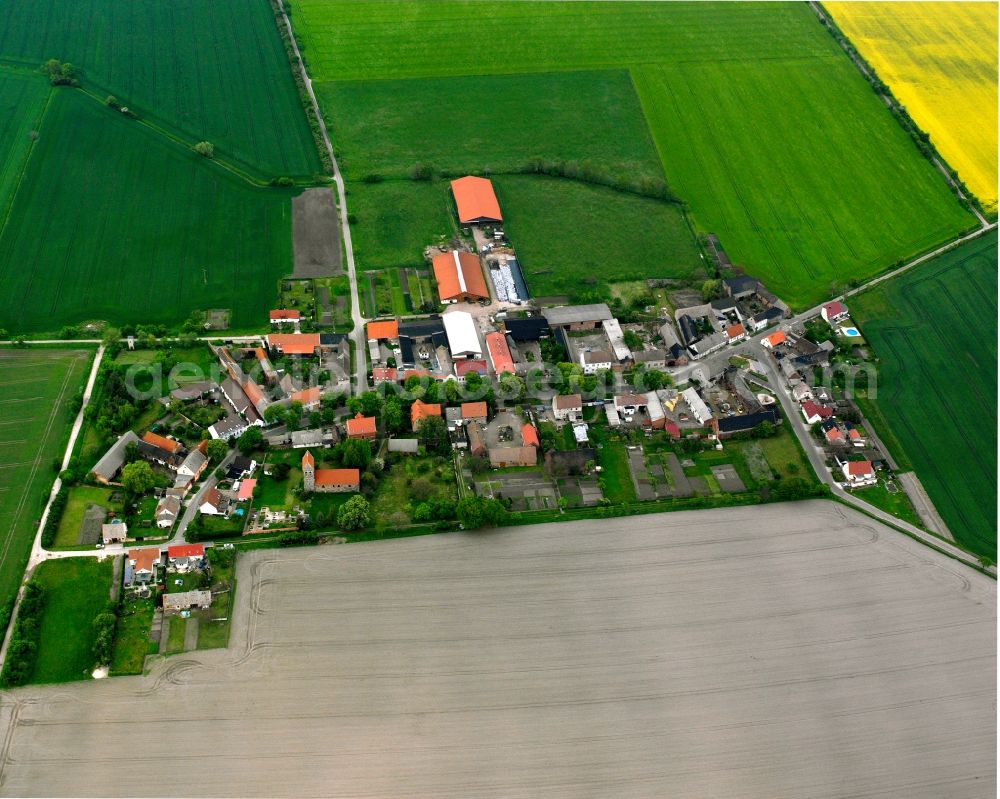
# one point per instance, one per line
(940, 60)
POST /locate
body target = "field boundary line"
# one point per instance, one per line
(161, 131)
(24, 166)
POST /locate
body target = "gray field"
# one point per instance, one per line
(780, 651)
(315, 234)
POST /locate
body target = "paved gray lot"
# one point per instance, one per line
(781, 651)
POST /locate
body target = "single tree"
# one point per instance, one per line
(250, 439)
(433, 434)
(205, 148)
(353, 514)
(216, 449)
(138, 477)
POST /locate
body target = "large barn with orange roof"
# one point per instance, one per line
(476, 201)
(459, 277)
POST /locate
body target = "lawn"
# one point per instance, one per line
(940, 61)
(564, 228)
(762, 124)
(784, 455)
(175, 635)
(937, 381)
(34, 427)
(76, 591)
(131, 227)
(132, 642)
(616, 478)
(898, 504)
(80, 498)
(204, 71)
(214, 625)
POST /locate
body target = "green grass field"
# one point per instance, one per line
(23, 96)
(119, 223)
(761, 123)
(76, 591)
(562, 227)
(493, 123)
(931, 329)
(34, 427)
(205, 71)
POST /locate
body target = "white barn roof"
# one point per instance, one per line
(463, 340)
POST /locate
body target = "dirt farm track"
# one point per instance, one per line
(780, 651)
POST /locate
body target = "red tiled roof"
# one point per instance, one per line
(361, 426)
(186, 551)
(385, 329)
(253, 392)
(166, 444)
(735, 330)
(285, 314)
(473, 410)
(854, 433)
(408, 373)
(421, 410)
(834, 307)
(144, 559)
(338, 477)
(812, 409)
(294, 343)
(496, 343)
(462, 368)
(308, 460)
(475, 199)
(308, 396)
(384, 373)
(834, 434)
(459, 275)
(776, 338)
(858, 468)
(672, 429)
(530, 435)
(246, 489)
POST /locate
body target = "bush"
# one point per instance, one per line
(282, 181)
(54, 517)
(298, 537)
(104, 635)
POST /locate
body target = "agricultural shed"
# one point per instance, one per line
(500, 355)
(475, 199)
(578, 317)
(459, 277)
(463, 340)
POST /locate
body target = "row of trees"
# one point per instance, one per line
(23, 648)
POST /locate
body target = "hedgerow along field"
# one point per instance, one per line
(763, 126)
(35, 418)
(114, 221)
(931, 330)
(206, 71)
(940, 61)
